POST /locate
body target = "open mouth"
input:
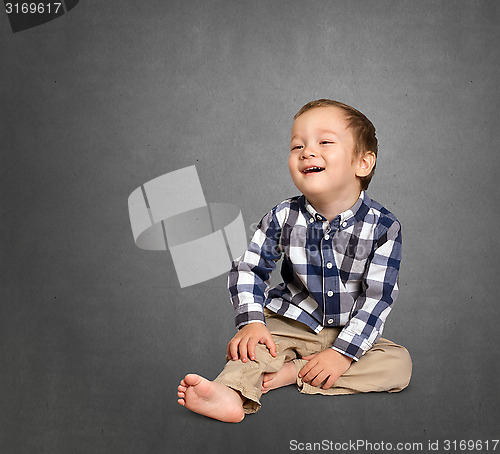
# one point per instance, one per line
(313, 170)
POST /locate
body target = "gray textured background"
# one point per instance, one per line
(95, 333)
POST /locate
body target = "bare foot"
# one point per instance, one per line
(211, 399)
(287, 375)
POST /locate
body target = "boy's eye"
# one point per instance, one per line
(297, 147)
(323, 142)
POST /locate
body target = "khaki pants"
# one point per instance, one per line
(385, 367)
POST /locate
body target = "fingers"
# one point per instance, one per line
(316, 374)
(239, 348)
(313, 373)
(243, 344)
(269, 342)
(309, 357)
(232, 349)
(329, 383)
(310, 374)
(305, 370)
(243, 349)
(319, 379)
(251, 348)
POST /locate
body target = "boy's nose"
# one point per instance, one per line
(307, 153)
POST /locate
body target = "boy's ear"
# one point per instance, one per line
(366, 164)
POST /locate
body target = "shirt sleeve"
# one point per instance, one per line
(249, 276)
(374, 304)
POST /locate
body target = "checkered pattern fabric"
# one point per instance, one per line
(342, 273)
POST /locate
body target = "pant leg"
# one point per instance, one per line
(246, 378)
(385, 367)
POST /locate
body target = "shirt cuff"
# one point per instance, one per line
(249, 313)
(354, 349)
(344, 353)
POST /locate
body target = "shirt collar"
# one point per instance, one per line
(348, 217)
(351, 212)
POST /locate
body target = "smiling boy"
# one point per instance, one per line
(321, 327)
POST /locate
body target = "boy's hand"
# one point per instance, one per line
(247, 338)
(324, 367)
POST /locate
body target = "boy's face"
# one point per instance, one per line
(321, 161)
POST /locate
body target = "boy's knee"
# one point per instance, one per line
(396, 361)
(403, 366)
(263, 355)
(267, 362)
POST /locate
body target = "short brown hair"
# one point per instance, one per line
(363, 130)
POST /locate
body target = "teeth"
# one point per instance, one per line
(313, 169)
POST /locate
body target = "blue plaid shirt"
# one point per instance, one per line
(343, 273)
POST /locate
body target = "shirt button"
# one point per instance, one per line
(330, 321)
(311, 220)
(329, 265)
(327, 237)
(318, 217)
(329, 293)
(344, 224)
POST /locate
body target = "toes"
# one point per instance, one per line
(267, 383)
(191, 380)
(267, 378)
(267, 386)
(181, 394)
(181, 402)
(181, 388)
